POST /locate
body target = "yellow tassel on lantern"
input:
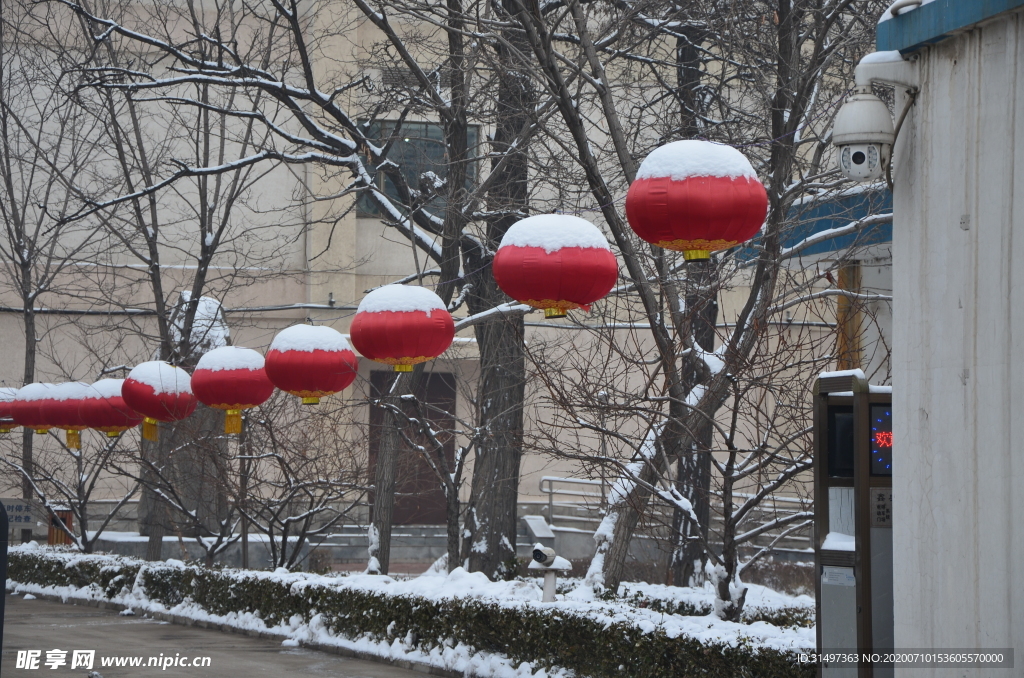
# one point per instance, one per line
(149, 429)
(113, 434)
(4, 430)
(233, 421)
(696, 255)
(310, 401)
(554, 313)
(403, 368)
(41, 431)
(74, 440)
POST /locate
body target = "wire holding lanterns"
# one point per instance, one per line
(402, 326)
(232, 379)
(696, 197)
(555, 262)
(311, 362)
(159, 392)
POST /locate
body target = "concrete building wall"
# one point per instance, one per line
(958, 335)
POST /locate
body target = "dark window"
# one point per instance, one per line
(881, 440)
(840, 442)
(419, 149)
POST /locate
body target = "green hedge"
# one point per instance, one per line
(544, 637)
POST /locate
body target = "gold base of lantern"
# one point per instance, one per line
(696, 255)
(41, 431)
(403, 368)
(550, 313)
(74, 440)
(4, 431)
(149, 430)
(233, 421)
(310, 401)
(113, 434)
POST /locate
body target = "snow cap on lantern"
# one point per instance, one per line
(231, 378)
(696, 197)
(30, 406)
(104, 409)
(311, 362)
(556, 262)
(158, 391)
(402, 325)
(7, 394)
(63, 411)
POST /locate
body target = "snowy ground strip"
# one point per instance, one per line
(580, 600)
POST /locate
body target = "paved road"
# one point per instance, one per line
(43, 625)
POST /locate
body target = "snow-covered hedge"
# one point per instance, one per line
(526, 637)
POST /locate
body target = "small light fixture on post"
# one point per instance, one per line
(545, 559)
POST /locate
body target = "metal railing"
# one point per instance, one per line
(582, 498)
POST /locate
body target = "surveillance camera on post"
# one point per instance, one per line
(863, 132)
(545, 558)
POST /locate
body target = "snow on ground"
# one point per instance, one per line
(462, 584)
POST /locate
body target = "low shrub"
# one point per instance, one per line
(545, 637)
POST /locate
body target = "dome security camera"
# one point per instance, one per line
(863, 133)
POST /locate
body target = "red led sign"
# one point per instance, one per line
(883, 439)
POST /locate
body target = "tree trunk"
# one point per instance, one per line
(492, 510)
(386, 469)
(633, 506)
(491, 513)
(694, 478)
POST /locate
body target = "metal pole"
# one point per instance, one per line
(4, 527)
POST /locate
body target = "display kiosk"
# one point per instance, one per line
(853, 450)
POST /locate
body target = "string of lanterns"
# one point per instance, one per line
(689, 196)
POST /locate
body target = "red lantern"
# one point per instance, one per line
(7, 408)
(64, 410)
(696, 197)
(311, 362)
(402, 325)
(103, 408)
(231, 378)
(158, 391)
(556, 262)
(31, 407)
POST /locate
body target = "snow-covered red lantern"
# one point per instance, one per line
(7, 394)
(64, 411)
(311, 362)
(158, 391)
(402, 325)
(31, 406)
(696, 197)
(231, 378)
(104, 409)
(556, 262)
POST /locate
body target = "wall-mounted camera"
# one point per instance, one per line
(863, 131)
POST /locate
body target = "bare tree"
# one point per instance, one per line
(47, 144)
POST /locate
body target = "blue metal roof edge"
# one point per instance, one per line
(936, 20)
